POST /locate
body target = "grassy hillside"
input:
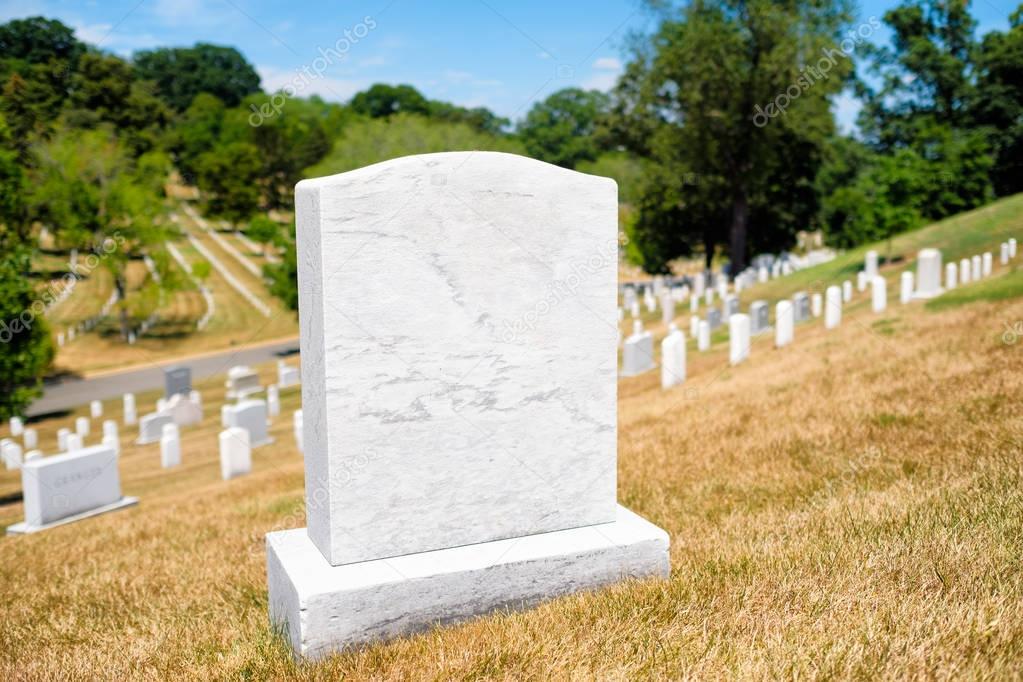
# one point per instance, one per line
(848, 506)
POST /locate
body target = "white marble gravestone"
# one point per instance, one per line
(784, 323)
(673, 359)
(987, 264)
(10, 453)
(242, 381)
(638, 352)
(800, 307)
(74, 442)
(870, 264)
(235, 453)
(714, 318)
(694, 325)
(184, 411)
(151, 427)
(816, 305)
(667, 308)
(906, 287)
(31, 439)
(976, 268)
(170, 446)
(878, 294)
(928, 274)
(1012, 247)
(16, 425)
(95, 409)
(110, 436)
(832, 307)
(287, 375)
(487, 460)
(273, 400)
(738, 338)
(297, 426)
(847, 291)
(128, 401)
(1003, 253)
(964, 271)
(861, 280)
(62, 436)
(251, 416)
(69, 487)
(703, 336)
(82, 426)
(951, 276)
(758, 313)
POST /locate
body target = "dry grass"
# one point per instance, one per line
(848, 507)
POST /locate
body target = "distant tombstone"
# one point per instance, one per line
(183, 411)
(699, 284)
(33, 454)
(976, 268)
(667, 309)
(69, 487)
(242, 382)
(74, 442)
(638, 353)
(964, 271)
(60, 339)
(816, 305)
(82, 426)
(870, 264)
(759, 314)
(703, 336)
(800, 307)
(738, 338)
(73, 261)
(879, 294)
(288, 376)
(297, 427)
(177, 380)
(928, 274)
(731, 306)
(784, 323)
(226, 415)
(95, 409)
(273, 401)
(235, 453)
(110, 436)
(1012, 247)
(708, 296)
(762, 275)
(714, 318)
(128, 402)
(16, 425)
(131, 338)
(62, 436)
(861, 280)
(635, 311)
(832, 307)
(673, 359)
(250, 415)
(151, 427)
(951, 276)
(170, 446)
(195, 397)
(649, 300)
(987, 264)
(694, 303)
(694, 325)
(10, 452)
(847, 291)
(31, 439)
(906, 287)
(628, 296)
(1003, 254)
(383, 550)
(161, 404)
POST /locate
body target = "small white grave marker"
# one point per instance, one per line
(951, 275)
(16, 425)
(96, 409)
(987, 264)
(964, 271)
(870, 264)
(673, 359)
(128, 401)
(816, 305)
(297, 426)
(273, 400)
(235, 453)
(30, 439)
(703, 336)
(82, 426)
(878, 294)
(738, 338)
(170, 446)
(906, 287)
(977, 268)
(784, 324)
(832, 307)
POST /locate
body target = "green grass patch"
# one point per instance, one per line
(994, 289)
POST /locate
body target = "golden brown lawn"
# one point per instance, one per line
(850, 507)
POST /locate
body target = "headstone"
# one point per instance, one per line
(673, 359)
(60, 339)
(832, 307)
(870, 264)
(703, 336)
(16, 425)
(1004, 253)
(847, 291)
(69, 487)
(195, 397)
(82, 426)
(964, 271)
(74, 442)
(10, 452)
(758, 313)
(731, 306)
(297, 426)
(161, 404)
(130, 418)
(241, 382)
(816, 305)
(1012, 247)
(96, 409)
(784, 323)
(699, 284)
(667, 309)
(225, 415)
(738, 338)
(638, 352)
(273, 401)
(33, 454)
(987, 264)
(628, 297)
(62, 436)
(800, 306)
(649, 300)
(878, 294)
(708, 296)
(110, 436)
(635, 311)
(977, 268)
(861, 280)
(235, 453)
(694, 303)
(288, 376)
(151, 427)
(30, 439)
(170, 446)
(183, 411)
(694, 325)
(177, 380)
(714, 318)
(538, 520)
(906, 287)
(762, 275)
(250, 415)
(951, 276)
(928, 274)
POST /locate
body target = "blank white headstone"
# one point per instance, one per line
(703, 335)
(816, 305)
(10, 452)
(784, 323)
(151, 427)
(62, 437)
(235, 453)
(1012, 247)
(878, 294)
(951, 275)
(709, 296)
(250, 415)
(30, 439)
(1004, 253)
(128, 402)
(16, 425)
(297, 426)
(110, 436)
(634, 309)
(987, 264)
(870, 264)
(96, 409)
(195, 397)
(964, 271)
(82, 426)
(667, 308)
(74, 442)
(928, 273)
(694, 325)
(273, 401)
(289, 376)
(673, 359)
(33, 454)
(638, 352)
(832, 307)
(847, 291)
(738, 338)
(694, 303)
(906, 287)
(170, 446)
(861, 280)
(977, 268)
(762, 275)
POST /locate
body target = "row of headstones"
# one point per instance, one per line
(638, 349)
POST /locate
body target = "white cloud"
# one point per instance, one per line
(608, 64)
(605, 72)
(331, 89)
(846, 108)
(105, 37)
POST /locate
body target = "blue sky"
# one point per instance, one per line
(495, 53)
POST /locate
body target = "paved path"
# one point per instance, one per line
(67, 393)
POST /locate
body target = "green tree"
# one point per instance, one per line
(181, 73)
(382, 100)
(563, 129)
(13, 223)
(196, 132)
(38, 40)
(264, 231)
(230, 177)
(26, 350)
(999, 101)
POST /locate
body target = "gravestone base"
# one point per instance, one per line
(926, 295)
(24, 528)
(324, 608)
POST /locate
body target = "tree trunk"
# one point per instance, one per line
(122, 295)
(708, 250)
(737, 231)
